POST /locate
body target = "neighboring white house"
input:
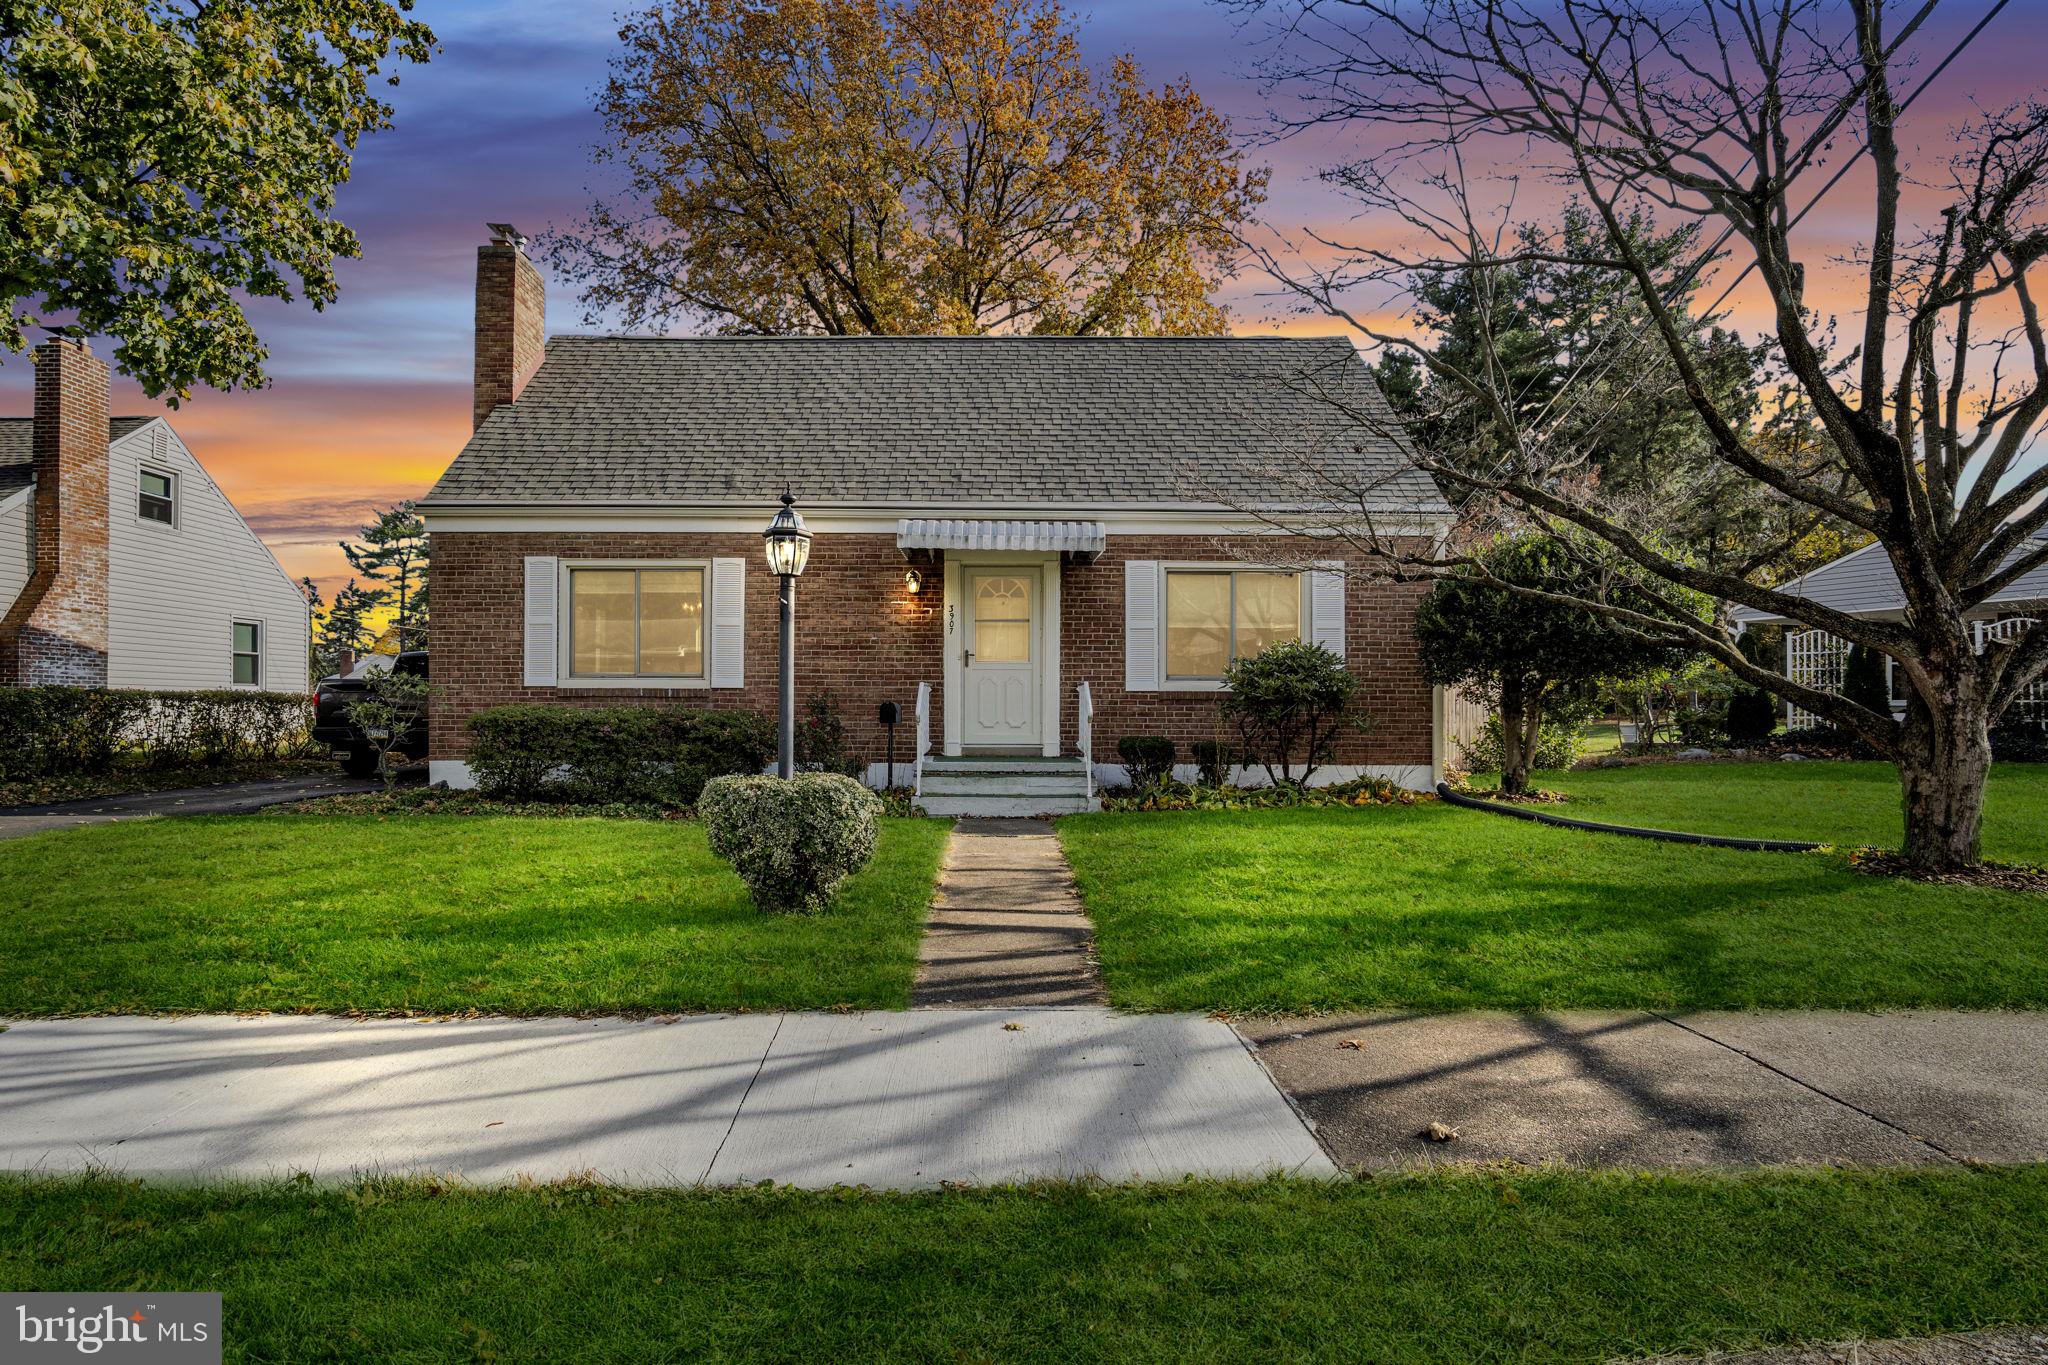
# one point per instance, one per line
(1862, 583)
(159, 585)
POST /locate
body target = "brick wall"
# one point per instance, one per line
(861, 635)
(55, 632)
(864, 638)
(1379, 646)
(511, 325)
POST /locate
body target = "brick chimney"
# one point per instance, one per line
(511, 319)
(56, 631)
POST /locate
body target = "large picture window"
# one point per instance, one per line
(1216, 615)
(626, 622)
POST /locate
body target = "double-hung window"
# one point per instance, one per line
(645, 622)
(248, 654)
(1214, 616)
(157, 498)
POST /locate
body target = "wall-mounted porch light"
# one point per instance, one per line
(913, 580)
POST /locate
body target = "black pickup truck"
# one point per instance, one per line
(333, 728)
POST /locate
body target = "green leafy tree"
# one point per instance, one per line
(1506, 629)
(161, 163)
(394, 551)
(904, 167)
(386, 714)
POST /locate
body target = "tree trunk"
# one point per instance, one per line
(1515, 704)
(1944, 759)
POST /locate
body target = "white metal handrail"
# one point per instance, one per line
(924, 737)
(1084, 710)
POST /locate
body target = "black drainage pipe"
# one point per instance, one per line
(1669, 836)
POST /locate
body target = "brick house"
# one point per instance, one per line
(998, 522)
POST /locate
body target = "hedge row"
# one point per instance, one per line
(61, 731)
(534, 751)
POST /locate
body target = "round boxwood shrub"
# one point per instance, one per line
(792, 840)
(1147, 758)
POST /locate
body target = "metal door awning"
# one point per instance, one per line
(1082, 539)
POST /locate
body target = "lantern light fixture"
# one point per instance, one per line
(913, 580)
(788, 540)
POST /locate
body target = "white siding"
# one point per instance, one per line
(175, 592)
(15, 547)
(1863, 583)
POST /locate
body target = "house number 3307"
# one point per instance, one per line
(949, 618)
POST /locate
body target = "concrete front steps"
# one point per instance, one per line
(993, 787)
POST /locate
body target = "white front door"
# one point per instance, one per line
(999, 672)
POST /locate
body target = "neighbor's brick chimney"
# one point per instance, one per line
(56, 631)
(511, 320)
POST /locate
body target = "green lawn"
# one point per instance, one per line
(1842, 803)
(1434, 907)
(1461, 1267)
(438, 915)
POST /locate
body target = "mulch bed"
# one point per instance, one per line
(1996, 876)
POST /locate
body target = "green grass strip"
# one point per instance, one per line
(1451, 1267)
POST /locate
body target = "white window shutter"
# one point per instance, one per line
(542, 620)
(1326, 609)
(1141, 625)
(728, 623)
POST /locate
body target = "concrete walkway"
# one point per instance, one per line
(229, 798)
(1641, 1089)
(1997, 1346)
(1006, 928)
(889, 1100)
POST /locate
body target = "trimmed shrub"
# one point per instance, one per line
(1359, 791)
(1215, 759)
(1702, 726)
(513, 750)
(792, 841)
(1557, 746)
(1289, 699)
(63, 731)
(1863, 681)
(717, 744)
(619, 753)
(1147, 758)
(1752, 716)
(586, 754)
(2017, 739)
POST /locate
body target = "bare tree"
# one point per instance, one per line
(1912, 414)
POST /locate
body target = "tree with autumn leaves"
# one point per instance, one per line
(903, 167)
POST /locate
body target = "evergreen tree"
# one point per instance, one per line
(348, 627)
(1863, 680)
(394, 551)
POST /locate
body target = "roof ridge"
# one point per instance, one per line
(942, 338)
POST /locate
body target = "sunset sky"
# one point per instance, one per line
(370, 399)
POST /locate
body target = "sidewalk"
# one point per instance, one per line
(1633, 1088)
(889, 1100)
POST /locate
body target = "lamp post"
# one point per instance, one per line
(788, 542)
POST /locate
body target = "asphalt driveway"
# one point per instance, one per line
(229, 798)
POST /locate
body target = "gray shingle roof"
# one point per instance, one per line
(17, 457)
(920, 421)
